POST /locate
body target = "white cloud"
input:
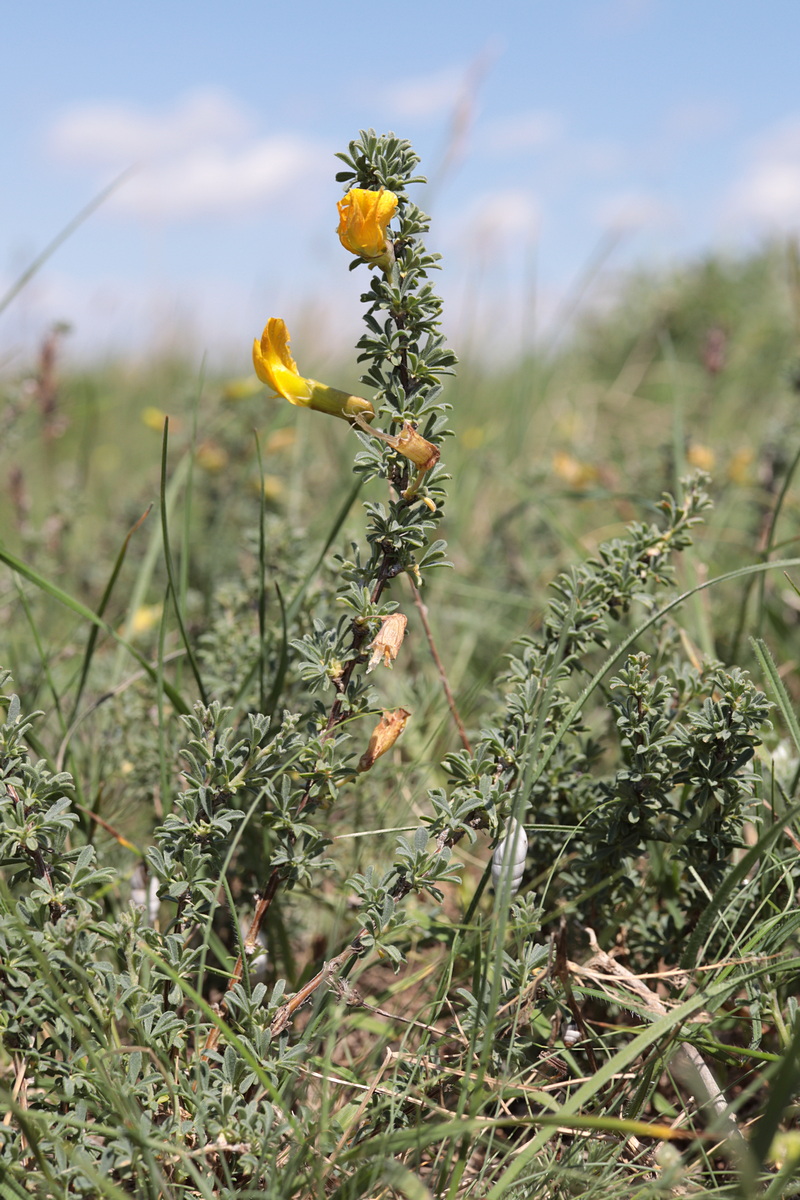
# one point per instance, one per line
(618, 16)
(780, 142)
(427, 95)
(198, 158)
(523, 131)
(104, 134)
(216, 181)
(510, 215)
(626, 212)
(768, 191)
(600, 158)
(697, 120)
(770, 194)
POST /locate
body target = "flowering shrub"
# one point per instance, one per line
(175, 1020)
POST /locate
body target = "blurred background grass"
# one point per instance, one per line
(553, 453)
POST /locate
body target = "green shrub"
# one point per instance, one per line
(218, 978)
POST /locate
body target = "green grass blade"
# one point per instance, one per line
(283, 660)
(732, 881)
(59, 240)
(151, 555)
(624, 1057)
(174, 590)
(773, 525)
(262, 588)
(81, 610)
(770, 671)
(338, 521)
(289, 613)
(101, 608)
(42, 654)
(782, 1090)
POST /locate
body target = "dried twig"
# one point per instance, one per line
(423, 613)
(685, 1061)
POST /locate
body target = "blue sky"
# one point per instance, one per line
(548, 129)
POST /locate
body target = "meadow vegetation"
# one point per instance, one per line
(250, 940)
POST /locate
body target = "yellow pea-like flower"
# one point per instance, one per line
(363, 217)
(275, 366)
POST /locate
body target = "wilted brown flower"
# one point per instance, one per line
(384, 736)
(388, 640)
(408, 442)
(414, 446)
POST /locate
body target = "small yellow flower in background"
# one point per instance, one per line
(388, 640)
(280, 440)
(574, 472)
(240, 389)
(145, 618)
(384, 736)
(211, 456)
(275, 366)
(154, 419)
(272, 487)
(701, 456)
(473, 437)
(740, 466)
(363, 217)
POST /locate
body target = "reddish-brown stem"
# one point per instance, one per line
(283, 1016)
(451, 701)
(250, 943)
(40, 865)
(334, 717)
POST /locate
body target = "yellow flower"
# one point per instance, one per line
(275, 366)
(211, 456)
(271, 487)
(739, 468)
(701, 456)
(281, 440)
(363, 217)
(575, 473)
(153, 418)
(144, 618)
(240, 389)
